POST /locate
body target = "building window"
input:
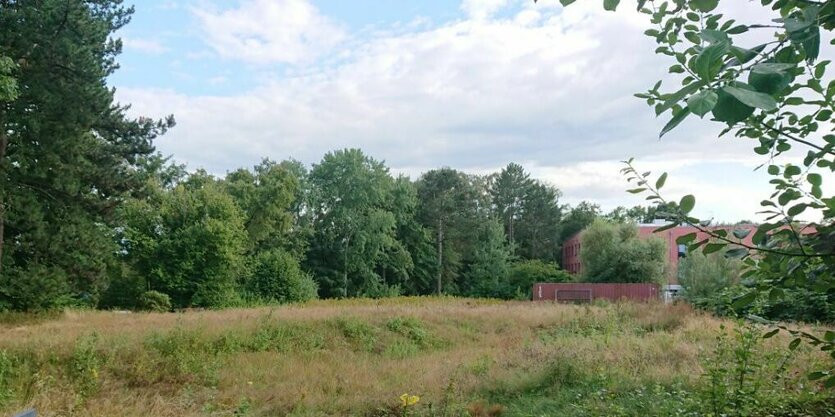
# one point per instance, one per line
(682, 250)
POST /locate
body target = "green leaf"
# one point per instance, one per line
(794, 343)
(730, 110)
(744, 300)
(814, 376)
(770, 78)
(661, 180)
(736, 253)
(714, 36)
(673, 99)
(704, 5)
(773, 170)
(610, 5)
(742, 55)
(772, 68)
(829, 383)
(751, 98)
(709, 61)
(736, 30)
(636, 190)
(713, 247)
(829, 336)
(687, 203)
(685, 239)
(797, 209)
(814, 179)
(566, 2)
(812, 45)
(703, 102)
(675, 121)
(791, 171)
(771, 333)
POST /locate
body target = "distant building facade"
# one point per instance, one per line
(571, 248)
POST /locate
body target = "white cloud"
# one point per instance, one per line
(481, 9)
(269, 31)
(546, 87)
(148, 46)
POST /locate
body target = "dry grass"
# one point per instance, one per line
(353, 357)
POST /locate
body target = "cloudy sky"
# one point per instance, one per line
(424, 84)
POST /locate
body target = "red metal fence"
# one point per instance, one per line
(583, 292)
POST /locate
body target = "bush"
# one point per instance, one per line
(154, 301)
(524, 274)
(35, 288)
(615, 253)
(124, 290)
(796, 304)
(278, 277)
(704, 276)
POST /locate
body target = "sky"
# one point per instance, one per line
(472, 85)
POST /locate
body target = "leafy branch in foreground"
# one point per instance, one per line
(779, 256)
(764, 82)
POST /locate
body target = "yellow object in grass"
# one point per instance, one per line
(408, 400)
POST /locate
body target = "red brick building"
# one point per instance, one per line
(571, 247)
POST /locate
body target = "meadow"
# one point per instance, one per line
(452, 356)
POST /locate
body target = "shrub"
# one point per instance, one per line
(278, 277)
(124, 289)
(35, 288)
(154, 301)
(615, 253)
(705, 275)
(85, 364)
(524, 274)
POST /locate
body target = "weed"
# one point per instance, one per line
(362, 335)
(85, 365)
(411, 328)
(5, 378)
(401, 349)
(182, 357)
(285, 337)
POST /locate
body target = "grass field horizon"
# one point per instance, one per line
(461, 357)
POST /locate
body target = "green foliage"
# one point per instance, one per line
(8, 84)
(66, 166)
(489, 271)
(85, 365)
(525, 273)
(357, 331)
(34, 288)
(277, 277)
(189, 243)
(577, 219)
(411, 328)
(353, 224)
(265, 197)
(786, 105)
(703, 276)
(154, 301)
(5, 378)
(614, 253)
(448, 207)
(530, 212)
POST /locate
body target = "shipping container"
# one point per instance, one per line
(587, 292)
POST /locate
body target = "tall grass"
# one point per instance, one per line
(357, 357)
